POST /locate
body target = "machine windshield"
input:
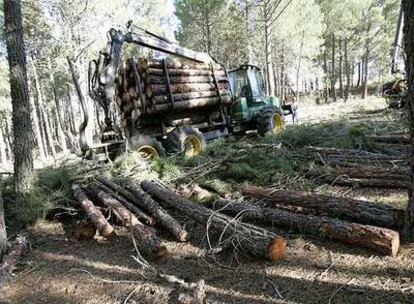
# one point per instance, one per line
(239, 83)
(256, 82)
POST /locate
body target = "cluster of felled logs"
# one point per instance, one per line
(350, 168)
(129, 203)
(359, 223)
(236, 226)
(172, 85)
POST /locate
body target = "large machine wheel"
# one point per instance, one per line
(187, 140)
(148, 147)
(270, 120)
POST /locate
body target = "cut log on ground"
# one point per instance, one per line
(392, 139)
(123, 215)
(382, 240)
(335, 180)
(140, 198)
(148, 242)
(363, 172)
(247, 239)
(19, 248)
(93, 213)
(344, 208)
(160, 214)
(139, 213)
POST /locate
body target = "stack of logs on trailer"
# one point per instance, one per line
(151, 88)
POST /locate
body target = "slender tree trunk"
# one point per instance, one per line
(7, 141)
(333, 71)
(22, 125)
(325, 80)
(3, 157)
(48, 131)
(60, 130)
(366, 60)
(359, 74)
(408, 6)
(36, 129)
(341, 69)
(71, 113)
(347, 70)
(299, 65)
(3, 234)
(268, 49)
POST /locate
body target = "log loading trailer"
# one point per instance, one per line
(162, 106)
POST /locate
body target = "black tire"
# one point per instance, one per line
(265, 120)
(149, 147)
(184, 138)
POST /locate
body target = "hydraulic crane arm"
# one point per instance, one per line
(102, 72)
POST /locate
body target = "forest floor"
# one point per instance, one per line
(60, 269)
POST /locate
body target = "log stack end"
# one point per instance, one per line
(277, 249)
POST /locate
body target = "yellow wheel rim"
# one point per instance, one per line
(148, 152)
(278, 124)
(192, 146)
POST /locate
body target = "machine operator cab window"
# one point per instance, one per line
(247, 82)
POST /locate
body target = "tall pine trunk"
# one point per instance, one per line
(366, 60)
(408, 6)
(341, 69)
(333, 71)
(347, 70)
(22, 124)
(3, 234)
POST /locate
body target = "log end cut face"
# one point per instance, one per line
(277, 249)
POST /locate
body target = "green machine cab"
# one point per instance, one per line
(252, 108)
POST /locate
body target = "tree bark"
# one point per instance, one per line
(408, 7)
(157, 212)
(20, 247)
(148, 242)
(361, 212)
(3, 234)
(184, 72)
(93, 213)
(22, 125)
(249, 239)
(347, 70)
(333, 70)
(124, 197)
(379, 239)
(341, 69)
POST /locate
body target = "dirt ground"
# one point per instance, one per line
(60, 269)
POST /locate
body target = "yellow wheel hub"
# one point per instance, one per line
(148, 152)
(278, 124)
(192, 146)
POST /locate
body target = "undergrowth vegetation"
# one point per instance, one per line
(225, 164)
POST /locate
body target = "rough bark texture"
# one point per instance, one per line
(19, 248)
(379, 239)
(23, 143)
(157, 212)
(3, 234)
(344, 208)
(141, 215)
(408, 6)
(248, 239)
(339, 180)
(93, 213)
(120, 212)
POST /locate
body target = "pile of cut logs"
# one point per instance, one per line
(360, 168)
(237, 225)
(156, 86)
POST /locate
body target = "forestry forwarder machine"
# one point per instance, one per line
(175, 131)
